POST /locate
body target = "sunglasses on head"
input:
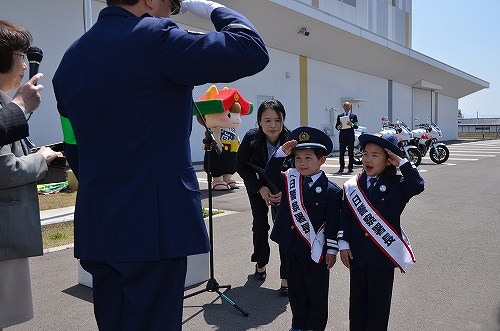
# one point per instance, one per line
(175, 7)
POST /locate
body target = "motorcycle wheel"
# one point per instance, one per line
(414, 156)
(439, 154)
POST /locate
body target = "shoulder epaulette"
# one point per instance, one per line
(235, 25)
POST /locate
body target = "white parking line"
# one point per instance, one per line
(476, 155)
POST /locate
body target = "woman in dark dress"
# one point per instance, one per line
(257, 146)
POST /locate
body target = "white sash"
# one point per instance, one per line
(300, 218)
(396, 247)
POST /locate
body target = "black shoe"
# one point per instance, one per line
(340, 171)
(259, 275)
(350, 170)
(283, 290)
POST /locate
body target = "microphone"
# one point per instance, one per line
(35, 56)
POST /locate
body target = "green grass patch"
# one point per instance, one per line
(477, 135)
(59, 234)
(214, 212)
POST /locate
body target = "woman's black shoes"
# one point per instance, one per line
(283, 290)
(259, 275)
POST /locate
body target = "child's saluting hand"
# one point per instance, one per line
(393, 158)
(288, 147)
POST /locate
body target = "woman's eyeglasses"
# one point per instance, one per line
(22, 55)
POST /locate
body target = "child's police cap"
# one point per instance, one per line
(384, 140)
(308, 137)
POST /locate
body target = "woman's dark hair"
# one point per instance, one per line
(260, 137)
(13, 38)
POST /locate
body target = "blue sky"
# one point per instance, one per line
(464, 34)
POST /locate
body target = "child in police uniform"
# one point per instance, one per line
(306, 223)
(371, 240)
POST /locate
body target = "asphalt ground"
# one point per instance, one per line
(454, 231)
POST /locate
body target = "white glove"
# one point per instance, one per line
(201, 8)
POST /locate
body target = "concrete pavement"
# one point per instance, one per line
(453, 226)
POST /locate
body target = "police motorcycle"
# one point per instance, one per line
(404, 137)
(358, 153)
(426, 139)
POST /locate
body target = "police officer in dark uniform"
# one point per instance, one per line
(124, 91)
(346, 136)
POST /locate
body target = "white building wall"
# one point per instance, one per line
(329, 84)
(378, 16)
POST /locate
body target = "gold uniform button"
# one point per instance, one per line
(383, 199)
(317, 204)
(292, 227)
(366, 234)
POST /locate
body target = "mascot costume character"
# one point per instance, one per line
(222, 111)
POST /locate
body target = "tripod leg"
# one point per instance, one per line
(223, 296)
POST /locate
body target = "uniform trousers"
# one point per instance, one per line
(346, 141)
(308, 284)
(132, 296)
(260, 229)
(370, 298)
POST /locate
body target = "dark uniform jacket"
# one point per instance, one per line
(126, 88)
(322, 205)
(390, 205)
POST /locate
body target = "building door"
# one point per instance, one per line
(422, 106)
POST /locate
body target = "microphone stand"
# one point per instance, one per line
(212, 285)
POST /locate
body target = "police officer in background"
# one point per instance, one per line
(346, 136)
(122, 88)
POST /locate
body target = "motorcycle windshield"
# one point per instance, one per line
(405, 125)
(436, 127)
